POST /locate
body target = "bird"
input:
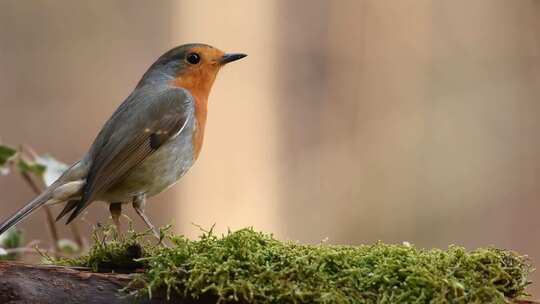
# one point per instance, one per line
(150, 141)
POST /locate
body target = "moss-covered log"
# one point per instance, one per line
(23, 283)
(246, 266)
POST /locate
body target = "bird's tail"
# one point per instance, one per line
(26, 210)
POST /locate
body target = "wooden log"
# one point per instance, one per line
(21, 283)
(24, 283)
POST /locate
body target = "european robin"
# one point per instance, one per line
(148, 144)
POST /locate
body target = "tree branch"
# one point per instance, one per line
(48, 214)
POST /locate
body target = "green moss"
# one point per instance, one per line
(112, 253)
(253, 267)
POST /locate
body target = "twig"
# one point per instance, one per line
(24, 149)
(24, 250)
(48, 214)
(76, 235)
(27, 149)
(50, 219)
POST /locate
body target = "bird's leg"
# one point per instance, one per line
(138, 204)
(116, 212)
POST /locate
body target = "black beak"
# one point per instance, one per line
(230, 57)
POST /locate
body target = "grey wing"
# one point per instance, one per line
(140, 126)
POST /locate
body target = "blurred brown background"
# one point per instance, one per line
(354, 121)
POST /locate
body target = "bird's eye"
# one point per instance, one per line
(193, 58)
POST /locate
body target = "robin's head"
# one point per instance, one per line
(191, 66)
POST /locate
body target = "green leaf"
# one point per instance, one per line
(31, 167)
(6, 153)
(10, 239)
(53, 168)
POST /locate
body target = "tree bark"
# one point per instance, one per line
(23, 283)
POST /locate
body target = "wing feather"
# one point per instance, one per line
(139, 127)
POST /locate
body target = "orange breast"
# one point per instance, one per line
(198, 84)
(200, 123)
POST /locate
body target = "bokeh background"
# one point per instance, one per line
(352, 121)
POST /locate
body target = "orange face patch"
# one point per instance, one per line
(198, 80)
